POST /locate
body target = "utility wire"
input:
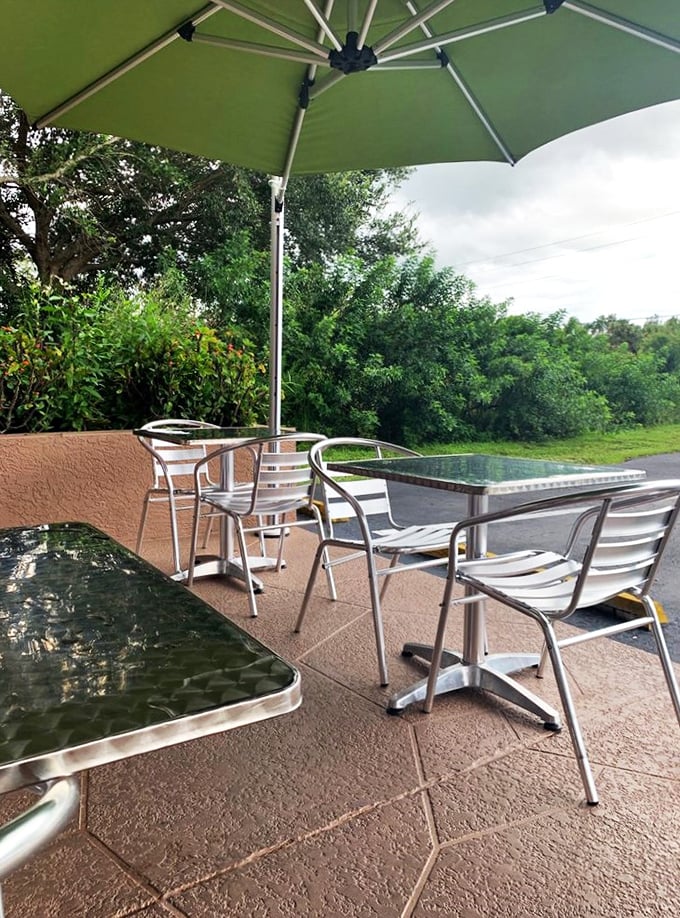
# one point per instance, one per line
(590, 248)
(547, 245)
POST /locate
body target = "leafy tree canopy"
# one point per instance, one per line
(75, 204)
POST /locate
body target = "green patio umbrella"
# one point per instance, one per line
(304, 86)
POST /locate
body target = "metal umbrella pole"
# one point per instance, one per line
(276, 306)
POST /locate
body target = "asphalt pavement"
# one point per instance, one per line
(416, 504)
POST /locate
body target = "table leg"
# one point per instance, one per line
(26, 834)
(474, 668)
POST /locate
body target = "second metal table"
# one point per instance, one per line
(481, 476)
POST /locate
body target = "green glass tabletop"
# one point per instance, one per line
(476, 473)
(103, 656)
(202, 434)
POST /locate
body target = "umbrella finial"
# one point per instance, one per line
(552, 5)
(350, 58)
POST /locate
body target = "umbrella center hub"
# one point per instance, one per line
(350, 58)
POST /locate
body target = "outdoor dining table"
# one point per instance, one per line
(103, 657)
(480, 477)
(226, 563)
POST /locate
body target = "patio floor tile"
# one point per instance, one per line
(338, 809)
(619, 859)
(73, 877)
(366, 866)
(182, 813)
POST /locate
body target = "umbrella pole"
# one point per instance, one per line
(276, 307)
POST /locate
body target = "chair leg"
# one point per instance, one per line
(377, 619)
(142, 524)
(543, 659)
(174, 534)
(386, 577)
(194, 541)
(662, 647)
(330, 579)
(279, 556)
(244, 562)
(333, 593)
(436, 661)
(208, 531)
(570, 713)
(321, 553)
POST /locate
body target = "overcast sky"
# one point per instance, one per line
(589, 224)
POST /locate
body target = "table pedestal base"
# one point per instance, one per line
(214, 566)
(491, 675)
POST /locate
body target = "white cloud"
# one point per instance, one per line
(589, 224)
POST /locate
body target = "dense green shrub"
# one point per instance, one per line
(637, 389)
(410, 353)
(104, 360)
(389, 347)
(55, 359)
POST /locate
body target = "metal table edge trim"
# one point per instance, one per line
(51, 765)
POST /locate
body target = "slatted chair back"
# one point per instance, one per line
(362, 499)
(629, 536)
(173, 484)
(626, 531)
(281, 483)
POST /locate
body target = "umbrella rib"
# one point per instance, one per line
(625, 25)
(233, 44)
(335, 77)
(276, 27)
(410, 25)
(303, 99)
(129, 64)
(455, 74)
(324, 24)
(481, 114)
(434, 64)
(449, 38)
(366, 24)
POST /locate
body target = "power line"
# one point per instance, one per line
(547, 245)
(591, 248)
(533, 261)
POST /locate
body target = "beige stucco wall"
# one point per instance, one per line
(98, 477)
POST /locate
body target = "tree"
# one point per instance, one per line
(76, 204)
(664, 341)
(385, 348)
(539, 389)
(618, 331)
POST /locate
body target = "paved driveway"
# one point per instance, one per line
(416, 504)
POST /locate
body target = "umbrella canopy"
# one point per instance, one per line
(304, 86)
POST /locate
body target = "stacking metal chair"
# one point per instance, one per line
(281, 485)
(173, 479)
(614, 546)
(362, 500)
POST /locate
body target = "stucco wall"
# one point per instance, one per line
(98, 477)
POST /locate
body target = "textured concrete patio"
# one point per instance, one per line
(341, 810)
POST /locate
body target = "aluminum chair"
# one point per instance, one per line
(363, 499)
(173, 479)
(281, 485)
(614, 546)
